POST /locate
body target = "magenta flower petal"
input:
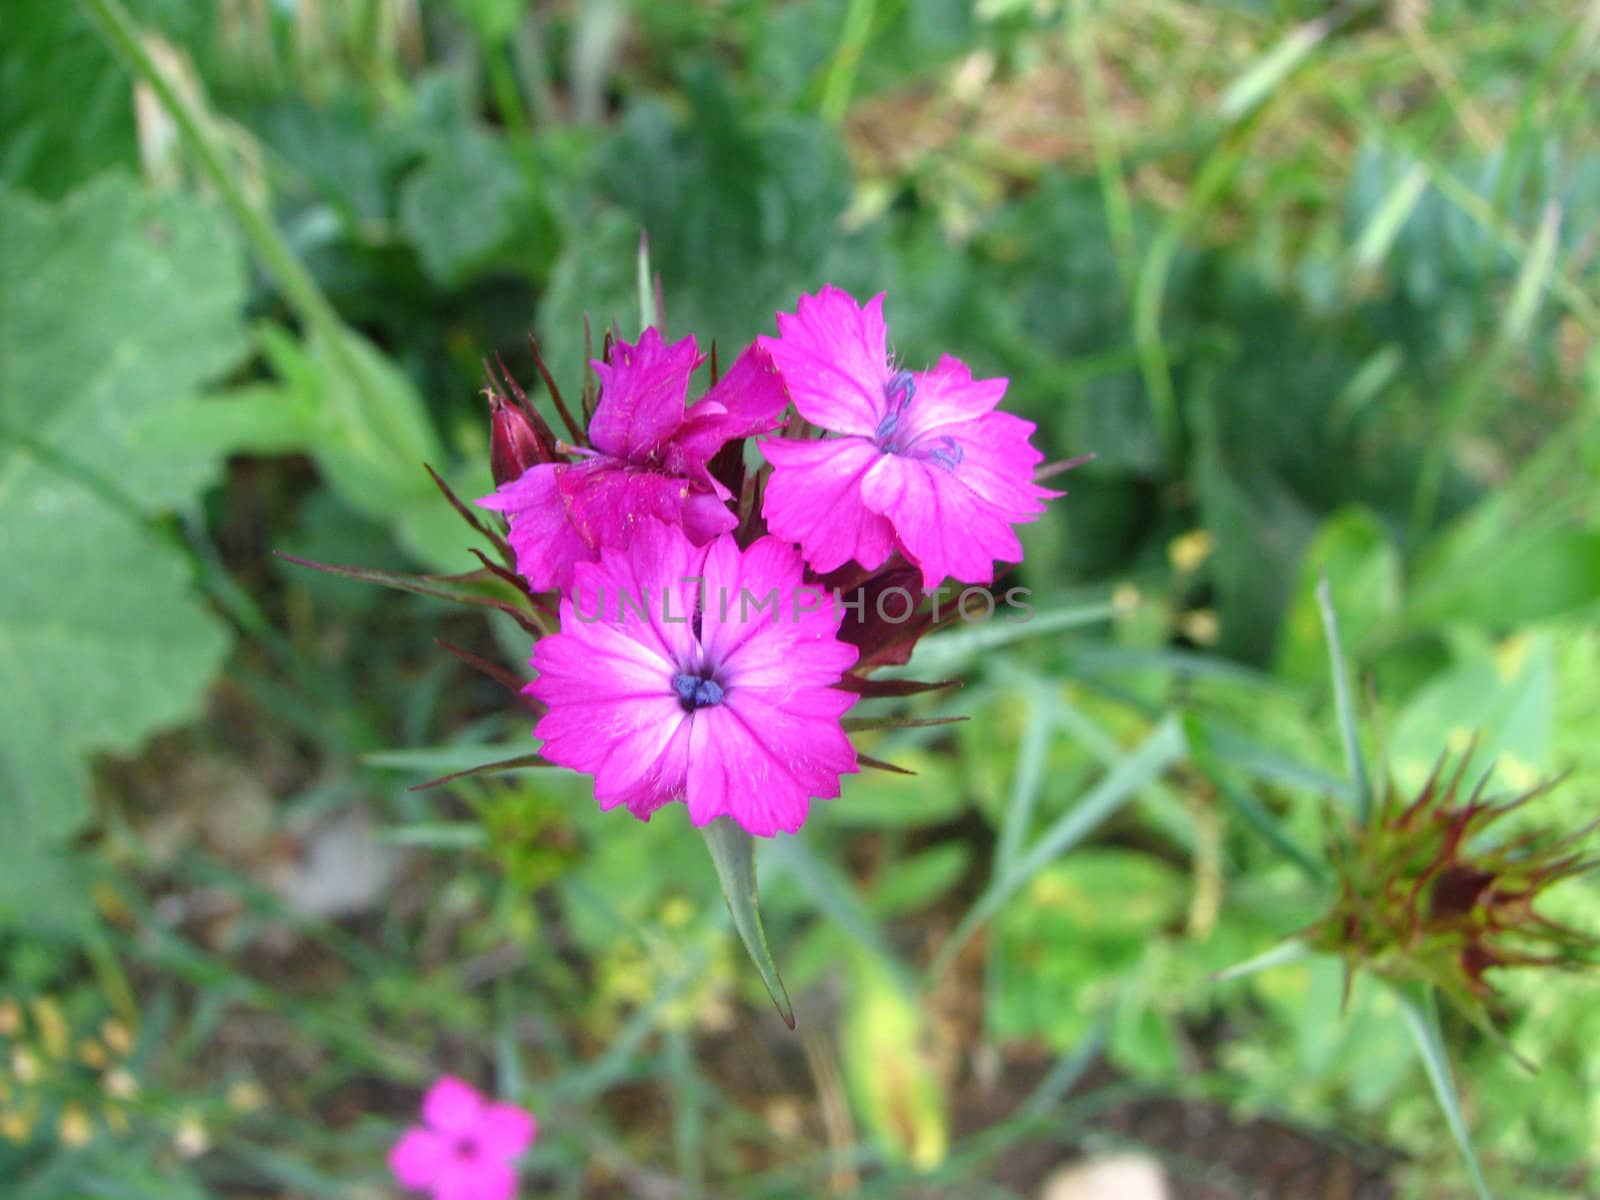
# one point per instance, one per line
(495, 1181)
(418, 1157)
(834, 356)
(922, 461)
(650, 459)
(958, 523)
(705, 515)
(814, 499)
(452, 1106)
(642, 395)
(465, 1152)
(747, 400)
(505, 1130)
(718, 693)
(546, 542)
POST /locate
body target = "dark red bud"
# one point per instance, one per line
(514, 443)
(1459, 890)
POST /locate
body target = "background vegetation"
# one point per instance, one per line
(1316, 284)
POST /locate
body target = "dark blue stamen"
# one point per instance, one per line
(949, 454)
(903, 385)
(694, 692)
(899, 391)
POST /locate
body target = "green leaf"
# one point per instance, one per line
(733, 851)
(732, 253)
(1501, 703)
(1497, 569)
(469, 205)
(1060, 952)
(115, 306)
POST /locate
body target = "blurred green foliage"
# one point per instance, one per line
(1315, 284)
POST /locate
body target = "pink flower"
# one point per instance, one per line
(464, 1147)
(701, 674)
(922, 461)
(649, 458)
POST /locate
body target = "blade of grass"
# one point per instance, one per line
(1533, 280)
(1252, 89)
(1344, 703)
(1422, 1022)
(854, 34)
(1251, 810)
(836, 897)
(1376, 240)
(649, 315)
(942, 654)
(1160, 750)
(1027, 777)
(1281, 955)
(1102, 138)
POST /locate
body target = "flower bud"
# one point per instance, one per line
(1424, 896)
(515, 443)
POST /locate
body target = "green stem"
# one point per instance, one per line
(298, 287)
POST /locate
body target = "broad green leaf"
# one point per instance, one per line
(1500, 703)
(733, 851)
(1493, 570)
(732, 253)
(115, 305)
(469, 205)
(47, 146)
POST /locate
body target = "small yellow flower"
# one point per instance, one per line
(24, 1066)
(1202, 627)
(246, 1095)
(92, 1054)
(120, 1083)
(16, 1126)
(52, 1024)
(190, 1139)
(10, 1018)
(1189, 551)
(74, 1128)
(115, 1035)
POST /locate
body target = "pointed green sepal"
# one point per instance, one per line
(733, 851)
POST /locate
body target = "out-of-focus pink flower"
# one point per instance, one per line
(701, 674)
(464, 1148)
(921, 461)
(649, 458)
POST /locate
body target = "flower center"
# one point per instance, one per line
(695, 692)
